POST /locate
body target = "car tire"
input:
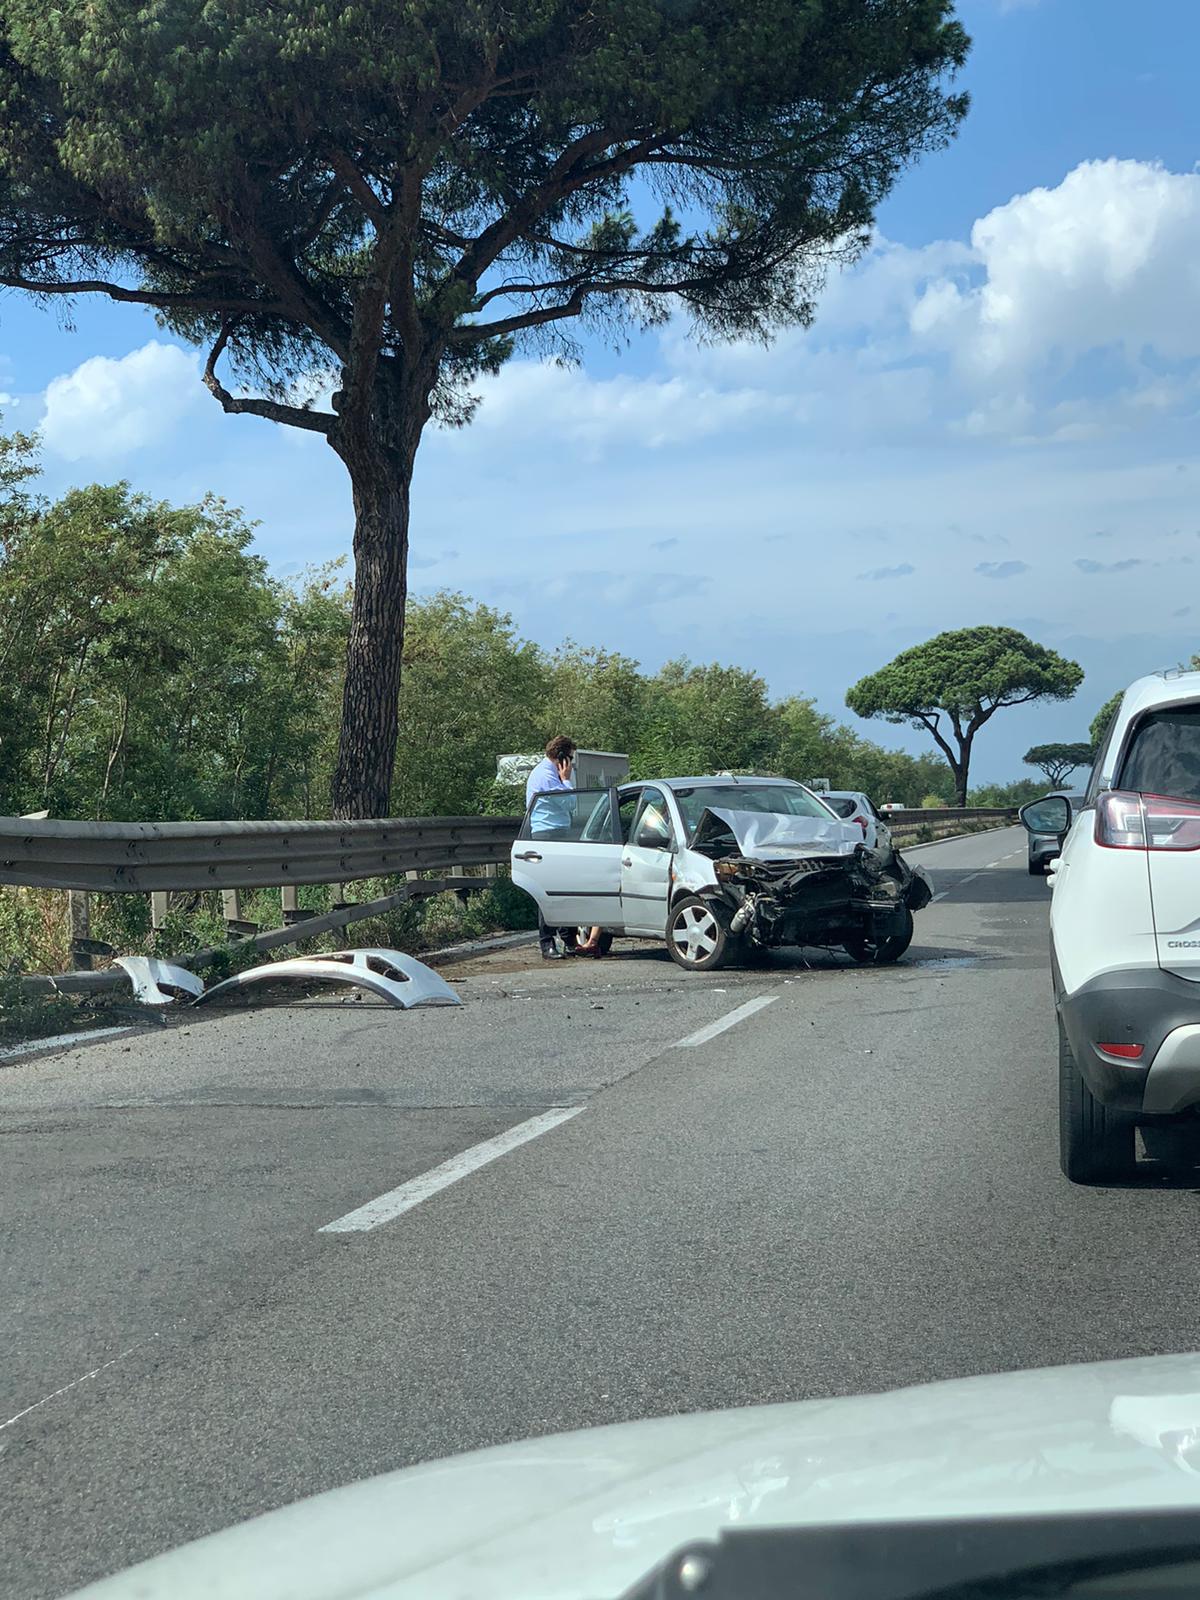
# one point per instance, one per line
(866, 953)
(1037, 869)
(697, 939)
(1096, 1142)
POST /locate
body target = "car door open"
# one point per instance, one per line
(646, 866)
(568, 857)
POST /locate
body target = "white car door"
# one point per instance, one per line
(646, 865)
(568, 858)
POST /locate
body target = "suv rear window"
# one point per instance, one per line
(1164, 754)
(844, 808)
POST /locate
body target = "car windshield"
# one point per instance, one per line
(785, 800)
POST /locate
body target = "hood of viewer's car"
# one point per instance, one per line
(581, 1516)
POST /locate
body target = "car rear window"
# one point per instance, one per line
(1164, 754)
(844, 808)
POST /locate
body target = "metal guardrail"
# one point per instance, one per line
(915, 816)
(132, 857)
(156, 858)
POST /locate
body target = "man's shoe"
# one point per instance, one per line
(552, 954)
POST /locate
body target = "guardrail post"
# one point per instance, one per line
(79, 921)
(231, 910)
(160, 904)
(290, 906)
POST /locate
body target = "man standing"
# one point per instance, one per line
(550, 790)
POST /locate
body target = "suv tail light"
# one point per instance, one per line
(1126, 821)
(862, 822)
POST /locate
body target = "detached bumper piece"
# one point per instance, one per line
(395, 977)
(159, 983)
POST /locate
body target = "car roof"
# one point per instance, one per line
(1160, 689)
(718, 782)
(843, 794)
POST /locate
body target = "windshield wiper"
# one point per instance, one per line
(1121, 1554)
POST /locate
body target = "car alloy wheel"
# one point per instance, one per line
(695, 936)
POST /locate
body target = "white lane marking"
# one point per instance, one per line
(938, 897)
(75, 1382)
(399, 1200)
(55, 1040)
(730, 1020)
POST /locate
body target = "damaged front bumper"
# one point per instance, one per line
(829, 902)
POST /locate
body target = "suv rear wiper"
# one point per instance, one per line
(996, 1558)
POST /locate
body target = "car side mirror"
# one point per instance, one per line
(649, 840)
(1050, 815)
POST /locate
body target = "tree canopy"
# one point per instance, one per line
(375, 200)
(1058, 761)
(953, 684)
(1100, 722)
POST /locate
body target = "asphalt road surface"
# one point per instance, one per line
(852, 1186)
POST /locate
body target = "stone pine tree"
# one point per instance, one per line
(376, 200)
(1058, 761)
(954, 684)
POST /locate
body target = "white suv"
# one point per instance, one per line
(1125, 930)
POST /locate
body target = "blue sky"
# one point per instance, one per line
(993, 419)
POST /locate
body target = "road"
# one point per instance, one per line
(852, 1187)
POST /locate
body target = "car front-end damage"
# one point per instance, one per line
(782, 880)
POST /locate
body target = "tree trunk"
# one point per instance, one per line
(380, 460)
(961, 771)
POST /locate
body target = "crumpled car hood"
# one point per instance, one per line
(770, 836)
(582, 1516)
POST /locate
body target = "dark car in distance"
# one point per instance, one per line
(1044, 847)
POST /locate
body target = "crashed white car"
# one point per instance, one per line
(716, 866)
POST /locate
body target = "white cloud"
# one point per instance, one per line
(110, 408)
(545, 400)
(1109, 257)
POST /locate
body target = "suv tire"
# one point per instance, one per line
(1096, 1143)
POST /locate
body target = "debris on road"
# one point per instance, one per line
(159, 983)
(399, 979)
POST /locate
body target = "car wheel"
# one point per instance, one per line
(1096, 1142)
(696, 937)
(868, 953)
(1035, 868)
